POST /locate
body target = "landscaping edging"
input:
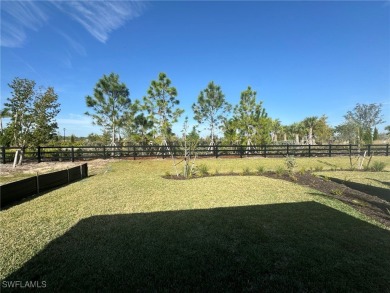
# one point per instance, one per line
(15, 191)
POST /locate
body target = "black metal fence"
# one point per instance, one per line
(79, 153)
(15, 191)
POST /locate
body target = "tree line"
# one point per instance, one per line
(32, 115)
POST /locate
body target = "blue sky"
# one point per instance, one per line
(304, 58)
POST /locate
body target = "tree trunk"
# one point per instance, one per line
(310, 138)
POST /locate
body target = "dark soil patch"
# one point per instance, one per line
(367, 204)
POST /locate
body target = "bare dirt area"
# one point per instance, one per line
(10, 174)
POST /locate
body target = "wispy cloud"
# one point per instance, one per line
(17, 17)
(99, 18)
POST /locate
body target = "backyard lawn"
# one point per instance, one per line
(126, 228)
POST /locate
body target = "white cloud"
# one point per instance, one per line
(99, 18)
(17, 17)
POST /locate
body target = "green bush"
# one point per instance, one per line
(246, 171)
(203, 170)
(260, 169)
(291, 164)
(280, 170)
(378, 166)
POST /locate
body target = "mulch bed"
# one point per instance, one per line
(367, 204)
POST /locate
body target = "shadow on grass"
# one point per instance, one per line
(269, 248)
(383, 193)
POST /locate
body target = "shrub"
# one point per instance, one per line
(378, 166)
(290, 163)
(280, 170)
(260, 169)
(203, 170)
(246, 171)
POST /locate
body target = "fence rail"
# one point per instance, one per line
(76, 153)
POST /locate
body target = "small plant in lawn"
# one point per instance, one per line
(337, 191)
(318, 168)
(260, 169)
(203, 170)
(167, 174)
(216, 171)
(246, 171)
(280, 170)
(291, 164)
(302, 170)
(377, 166)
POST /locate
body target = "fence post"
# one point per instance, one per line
(241, 151)
(216, 151)
(288, 151)
(72, 154)
(104, 152)
(163, 152)
(330, 150)
(369, 150)
(387, 150)
(309, 150)
(265, 151)
(3, 154)
(350, 149)
(37, 183)
(134, 152)
(39, 154)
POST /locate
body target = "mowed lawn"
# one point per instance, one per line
(127, 228)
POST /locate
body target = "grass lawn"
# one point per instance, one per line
(126, 228)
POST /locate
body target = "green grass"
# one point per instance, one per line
(378, 179)
(127, 228)
(13, 178)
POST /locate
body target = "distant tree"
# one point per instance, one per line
(230, 132)
(4, 113)
(375, 136)
(322, 131)
(309, 123)
(5, 133)
(347, 131)
(46, 109)
(141, 130)
(110, 103)
(32, 113)
(248, 115)
(160, 103)
(211, 108)
(276, 129)
(387, 128)
(295, 131)
(193, 136)
(366, 116)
